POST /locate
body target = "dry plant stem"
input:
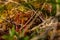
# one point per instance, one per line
(43, 34)
(27, 21)
(41, 18)
(10, 1)
(19, 3)
(37, 14)
(30, 20)
(28, 26)
(58, 9)
(39, 26)
(53, 34)
(51, 26)
(54, 31)
(47, 29)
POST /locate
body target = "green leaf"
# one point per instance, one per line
(5, 37)
(53, 13)
(1, 8)
(59, 1)
(59, 4)
(10, 5)
(41, 1)
(26, 38)
(11, 34)
(12, 31)
(27, 5)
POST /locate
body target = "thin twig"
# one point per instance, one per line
(39, 26)
(37, 14)
(27, 21)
